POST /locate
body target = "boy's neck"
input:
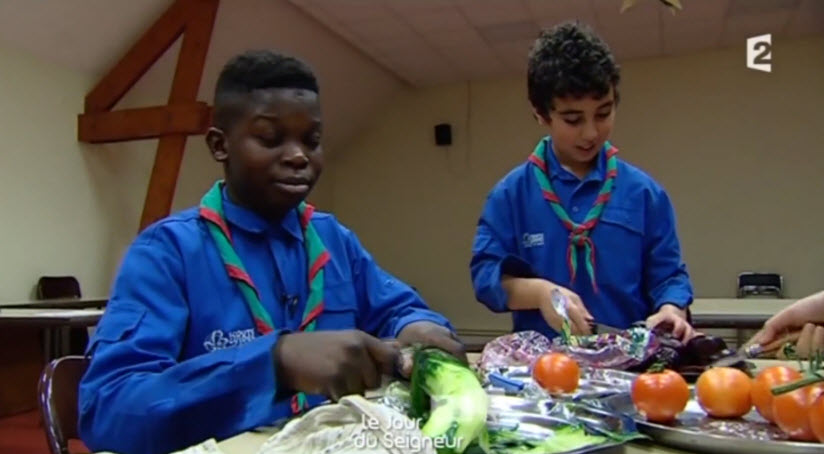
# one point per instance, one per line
(577, 168)
(274, 216)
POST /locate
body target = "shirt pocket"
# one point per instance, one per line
(620, 245)
(340, 307)
(119, 322)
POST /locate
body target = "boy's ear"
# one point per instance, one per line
(216, 141)
(540, 118)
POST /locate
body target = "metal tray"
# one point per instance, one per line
(538, 419)
(595, 384)
(694, 431)
(538, 416)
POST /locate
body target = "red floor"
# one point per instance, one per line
(23, 434)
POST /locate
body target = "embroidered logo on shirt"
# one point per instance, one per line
(533, 239)
(219, 340)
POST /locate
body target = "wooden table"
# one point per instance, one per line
(58, 303)
(738, 313)
(50, 317)
(250, 442)
(29, 338)
(55, 323)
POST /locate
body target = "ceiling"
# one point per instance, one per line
(428, 42)
(85, 35)
(423, 42)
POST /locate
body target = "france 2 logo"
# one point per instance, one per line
(759, 53)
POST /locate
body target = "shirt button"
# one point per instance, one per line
(574, 209)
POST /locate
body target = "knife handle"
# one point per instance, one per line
(508, 384)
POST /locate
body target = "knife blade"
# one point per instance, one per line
(601, 328)
(742, 354)
(560, 303)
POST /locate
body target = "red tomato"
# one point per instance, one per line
(660, 396)
(792, 412)
(556, 373)
(724, 392)
(762, 387)
(817, 418)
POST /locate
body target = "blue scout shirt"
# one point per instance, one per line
(176, 359)
(638, 258)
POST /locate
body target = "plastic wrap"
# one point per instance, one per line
(512, 350)
(614, 351)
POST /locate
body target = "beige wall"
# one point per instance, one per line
(53, 208)
(70, 208)
(740, 153)
(77, 207)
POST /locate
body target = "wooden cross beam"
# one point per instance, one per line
(173, 123)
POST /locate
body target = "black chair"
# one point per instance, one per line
(758, 285)
(751, 284)
(53, 287)
(49, 287)
(57, 398)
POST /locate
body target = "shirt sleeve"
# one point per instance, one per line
(385, 304)
(495, 253)
(666, 280)
(136, 395)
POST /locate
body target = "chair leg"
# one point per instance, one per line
(740, 338)
(48, 347)
(64, 341)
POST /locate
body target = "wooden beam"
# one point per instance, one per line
(188, 74)
(143, 123)
(193, 52)
(145, 52)
(162, 182)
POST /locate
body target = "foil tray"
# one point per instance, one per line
(538, 419)
(694, 431)
(595, 384)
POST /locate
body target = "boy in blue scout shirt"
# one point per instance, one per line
(251, 307)
(574, 217)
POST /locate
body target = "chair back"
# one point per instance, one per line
(57, 396)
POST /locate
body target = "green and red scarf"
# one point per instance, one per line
(211, 210)
(579, 234)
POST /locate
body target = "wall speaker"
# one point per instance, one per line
(443, 134)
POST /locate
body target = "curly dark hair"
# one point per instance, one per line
(569, 59)
(256, 70)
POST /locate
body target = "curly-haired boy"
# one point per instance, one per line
(574, 217)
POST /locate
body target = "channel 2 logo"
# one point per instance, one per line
(759, 53)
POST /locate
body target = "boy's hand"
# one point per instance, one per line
(333, 363)
(810, 341)
(431, 335)
(579, 317)
(794, 317)
(675, 316)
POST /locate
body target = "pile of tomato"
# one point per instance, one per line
(722, 392)
(725, 392)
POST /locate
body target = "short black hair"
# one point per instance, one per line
(569, 60)
(258, 70)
